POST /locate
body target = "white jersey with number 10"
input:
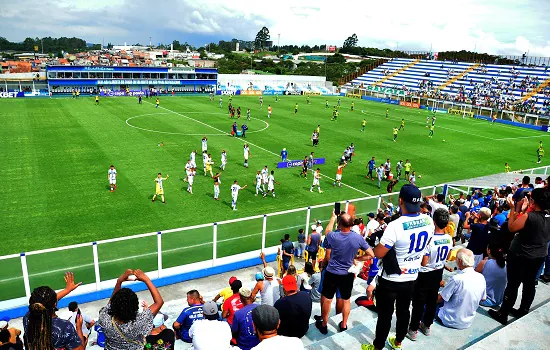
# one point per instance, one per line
(235, 191)
(438, 250)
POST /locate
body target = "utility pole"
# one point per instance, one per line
(150, 44)
(278, 43)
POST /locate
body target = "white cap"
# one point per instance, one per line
(313, 227)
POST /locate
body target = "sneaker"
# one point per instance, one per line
(393, 345)
(425, 330)
(310, 190)
(518, 313)
(321, 328)
(367, 347)
(321, 191)
(412, 335)
(317, 318)
(496, 315)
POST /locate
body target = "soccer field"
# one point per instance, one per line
(56, 153)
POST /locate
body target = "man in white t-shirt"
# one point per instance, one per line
(439, 203)
(462, 294)
(88, 321)
(401, 249)
(266, 322)
(271, 184)
(372, 224)
(235, 188)
(209, 333)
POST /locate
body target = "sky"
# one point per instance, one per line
(493, 26)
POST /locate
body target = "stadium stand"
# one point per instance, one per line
(525, 89)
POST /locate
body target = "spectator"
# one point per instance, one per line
(7, 344)
(314, 282)
(188, 316)
(500, 218)
(527, 252)
(525, 186)
(225, 293)
(454, 218)
(242, 327)
(411, 229)
(372, 225)
(462, 294)
(294, 309)
(313, 243)
(14, 335)
(493, 268)
(43, 329)
(124, 327)
(210, 333)
(87, 321)
(424, 300)
(266, 323)
(301, 243)
(342, 246)
(160, 334)
(233, 303)
(287, 249)
(438, 203)
(479, 236)
(268, 287)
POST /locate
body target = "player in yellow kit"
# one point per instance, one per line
(159, 189)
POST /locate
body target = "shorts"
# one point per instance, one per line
(190, 181)
(304, 169)
(312, 255)
(269, 114)
(320, 289)
(246, 158)
(295, 111)
(112, 182)
(333, 282)
(270, 187)
(315, 182)
(159, 192)
(338, 177)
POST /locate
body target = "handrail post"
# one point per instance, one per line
(25, 271)
(264, 231)
(308, 218)
(96, 266)
(214, 243)
(379, 202)
(159, 253)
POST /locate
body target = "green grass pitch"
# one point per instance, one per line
(55, 154)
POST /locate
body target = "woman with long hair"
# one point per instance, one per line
(530, 220)
(43, 329)
(493, 268)
(124, 326)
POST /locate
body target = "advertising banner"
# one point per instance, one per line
(11, 94)
(121, 93)
(386, 90)
(297, 163)
(409, 104)
(251, 92)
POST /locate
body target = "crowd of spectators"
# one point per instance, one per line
(500, 239)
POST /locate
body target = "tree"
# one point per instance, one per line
(350, 41)
(109, 46)
(261, 38)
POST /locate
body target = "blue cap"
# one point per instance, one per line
(412, 197)
(371, 215)
(259, 276)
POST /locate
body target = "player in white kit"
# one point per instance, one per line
(190, 180)
(271, 184)
(246, 155)
(224, 160)
(316, 180)
(204, 161)
(193, 156)
(235, 188)
(259, 182)
(204, 144)
(111, 174)
(217, 182)
(265, 176)
(188, 168)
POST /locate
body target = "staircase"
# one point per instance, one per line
(347, 78)
(458, 77)
(536, 90)
(379, 82)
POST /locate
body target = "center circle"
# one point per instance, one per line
(191, 119)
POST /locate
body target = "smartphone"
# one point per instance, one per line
(337, 208)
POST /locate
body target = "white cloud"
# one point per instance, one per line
(494, 26)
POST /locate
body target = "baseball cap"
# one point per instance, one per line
(210, 308)
(265, 318)
(290, 284)
(245, 292)
(159, 320)
(259, 276)
(232, 279)
(371, 215)
(268, 271)
(313, 227)
(411, 196)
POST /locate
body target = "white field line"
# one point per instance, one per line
(70, 268)
(440, 127)
(244, 141)
(523, 137)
